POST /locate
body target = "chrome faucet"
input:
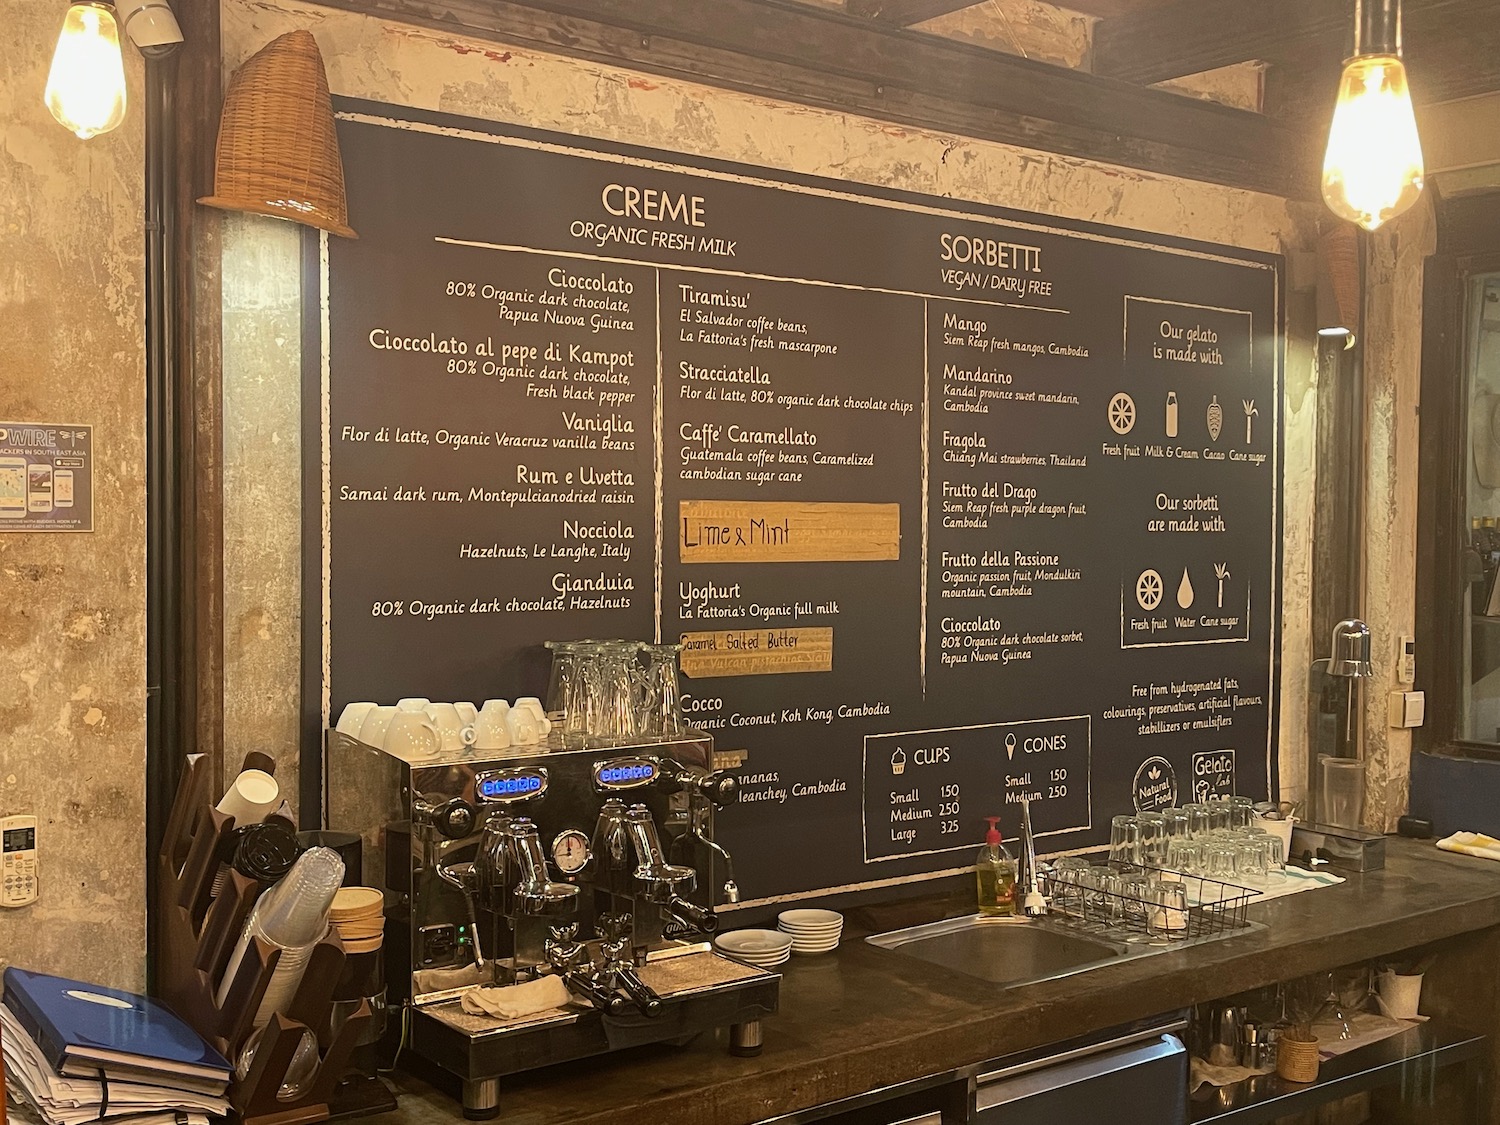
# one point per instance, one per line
(1033, 904)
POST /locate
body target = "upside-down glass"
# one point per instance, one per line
(1218, 815)
(1153, 838)
(565, 701)
(1125, 841)
(1177, 824)
(1167, 919)
(1250, 860)
(663, 693)
(1067, 896)
(620, 679)
(1198, 820)
(1185, 856)
(1275, 860)
(1241, 812)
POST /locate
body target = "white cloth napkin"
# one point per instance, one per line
(517, 1000)
(1471, 843)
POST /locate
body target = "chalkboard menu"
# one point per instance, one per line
(948, 504)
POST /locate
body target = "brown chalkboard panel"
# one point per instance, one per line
(949, 503)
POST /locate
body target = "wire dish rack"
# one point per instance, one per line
(1130, 901)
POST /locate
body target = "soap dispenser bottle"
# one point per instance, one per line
(995, 873)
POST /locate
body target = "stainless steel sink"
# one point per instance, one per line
(1011, 952)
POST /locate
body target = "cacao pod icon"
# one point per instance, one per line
(1215, 418)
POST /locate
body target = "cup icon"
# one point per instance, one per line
(898, 762)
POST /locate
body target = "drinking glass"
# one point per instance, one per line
(564, 671)
(1177, 824)
(1221, 861)
(1166, 921)
(1250, 860)
(1067, 896)
(1153, 838)
(1198, 820)
(1185, 856)
(1218, 816)
(1241, 811)
(663, 693)
(1135, 895)
(1275, 860)
(620, 680)
(1125, 841)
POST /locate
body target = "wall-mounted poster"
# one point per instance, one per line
(46, 476)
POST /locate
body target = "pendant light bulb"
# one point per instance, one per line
(86, 85)
(1372, 170)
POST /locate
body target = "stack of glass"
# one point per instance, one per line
(615, 693)
(1220, 838)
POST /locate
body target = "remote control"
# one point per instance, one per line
(18, 881)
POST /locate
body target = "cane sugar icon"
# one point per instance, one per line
(898, 762)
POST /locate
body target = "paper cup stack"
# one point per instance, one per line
(358, 918)
(763, 948)
(812, 931)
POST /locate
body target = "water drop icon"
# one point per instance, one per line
(1185, 591)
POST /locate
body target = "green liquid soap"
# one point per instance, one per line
(995, 875)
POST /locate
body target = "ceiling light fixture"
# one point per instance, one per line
(86, 83)
(1372, 170)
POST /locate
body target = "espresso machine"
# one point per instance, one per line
(597, 866)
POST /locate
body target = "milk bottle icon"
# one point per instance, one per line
(898, 762)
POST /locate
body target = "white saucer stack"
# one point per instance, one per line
(763, 948)
(811, 931)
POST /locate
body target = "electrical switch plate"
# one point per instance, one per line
(18, 881)
(1407, 708)
(1406, 661)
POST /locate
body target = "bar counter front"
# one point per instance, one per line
(864, 1027)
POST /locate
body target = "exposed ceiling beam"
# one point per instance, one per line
(905, 13)
(1446, 59)
(1190, 36)
(801, 53)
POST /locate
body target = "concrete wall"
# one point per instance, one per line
(72, 607)
(370, 58)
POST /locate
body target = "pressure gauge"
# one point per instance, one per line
(570, 851)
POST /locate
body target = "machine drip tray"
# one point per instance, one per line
(700, 990)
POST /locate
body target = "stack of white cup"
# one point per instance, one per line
(417, 728)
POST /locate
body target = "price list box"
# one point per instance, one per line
(928, 791)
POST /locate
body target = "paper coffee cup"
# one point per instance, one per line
(252, 797)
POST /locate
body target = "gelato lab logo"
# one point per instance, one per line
(1155, 786)
(1213, 774)
(898, 762)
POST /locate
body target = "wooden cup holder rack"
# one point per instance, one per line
(199, 931)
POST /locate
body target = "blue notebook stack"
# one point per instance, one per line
(80, 1052)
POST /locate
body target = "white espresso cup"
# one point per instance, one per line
(523, 727)
(456, 733)
(253, 796)
(468, 713)
(412, 736)
(534, 705)
(353, 717)
(491, 730)
(412, 703)
(372, 730)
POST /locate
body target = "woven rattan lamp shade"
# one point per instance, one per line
(278, 153)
